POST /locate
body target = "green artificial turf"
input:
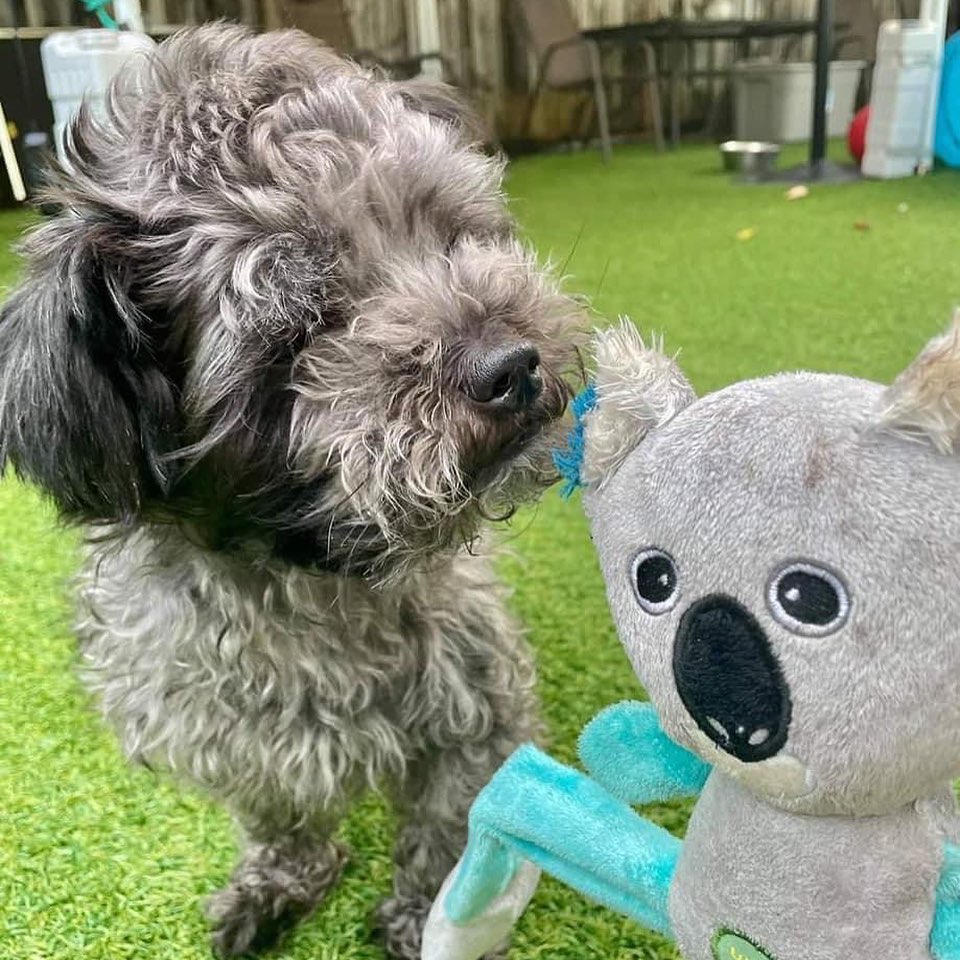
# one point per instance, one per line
(101, 861)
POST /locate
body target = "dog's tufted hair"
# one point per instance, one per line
(242, 355)
(253, 317)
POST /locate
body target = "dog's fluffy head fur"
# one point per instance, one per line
(255, 315)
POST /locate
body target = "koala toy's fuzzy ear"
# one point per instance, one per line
(636, 388)
(923, 403)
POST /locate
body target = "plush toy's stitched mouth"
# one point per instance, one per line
(782, 778)
(729, 679)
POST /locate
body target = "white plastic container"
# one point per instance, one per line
(774, 101)
(903, 103)
(78, 65)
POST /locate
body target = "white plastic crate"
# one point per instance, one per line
(78, 65)
(904, 99)
(774, 101)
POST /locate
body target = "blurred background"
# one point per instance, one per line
(544, 73)
(624, 103)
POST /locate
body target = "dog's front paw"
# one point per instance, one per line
(268, 894)
(400, 923)
(247, 920)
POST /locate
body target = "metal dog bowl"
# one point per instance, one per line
(754, 158)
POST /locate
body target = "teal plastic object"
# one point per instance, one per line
(946, 142)
(99, 8)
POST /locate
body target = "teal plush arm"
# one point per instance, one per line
(626, 750)
(945, 936)
(541, 811)
(536, 814)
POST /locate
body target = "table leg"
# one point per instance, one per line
(818, 142)
(675, 55)
(718, 92)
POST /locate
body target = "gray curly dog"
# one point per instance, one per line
(282, 355)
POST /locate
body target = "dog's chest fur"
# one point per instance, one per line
(273, 683)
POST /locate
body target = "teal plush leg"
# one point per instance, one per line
(626, 750)
(539, 810)
(945, 936)
(486, 869)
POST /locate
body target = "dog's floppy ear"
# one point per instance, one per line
(637, 389)
(444, 103)
(84, 410)
(923, 403)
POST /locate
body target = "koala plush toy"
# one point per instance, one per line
(782, 559)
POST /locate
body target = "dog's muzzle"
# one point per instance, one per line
(729, 679)
(506, 377)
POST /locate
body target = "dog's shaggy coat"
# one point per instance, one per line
(247, 356)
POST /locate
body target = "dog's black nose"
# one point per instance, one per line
(729, 679)
(507, 377)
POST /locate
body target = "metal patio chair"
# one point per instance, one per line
(330, 21)
(566, 60)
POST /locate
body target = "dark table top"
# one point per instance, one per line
(674, 28)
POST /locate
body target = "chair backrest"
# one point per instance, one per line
(326, 19)
(858, 25)
(545, 23)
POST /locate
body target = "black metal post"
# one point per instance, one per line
(818, 144)
(818, 168)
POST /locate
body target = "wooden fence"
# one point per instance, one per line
(479, 44)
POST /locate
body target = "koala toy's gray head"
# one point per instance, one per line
(782, 559)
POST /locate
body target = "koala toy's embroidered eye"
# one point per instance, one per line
(808, 599)
(655, 581)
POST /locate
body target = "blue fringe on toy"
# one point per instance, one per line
(570, 460)
(98, 7)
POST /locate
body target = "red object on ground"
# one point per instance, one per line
(857, 135)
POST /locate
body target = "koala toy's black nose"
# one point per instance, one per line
(729, 679)
(506, 377)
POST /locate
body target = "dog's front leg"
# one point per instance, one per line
(284, 872)
(436, 800)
